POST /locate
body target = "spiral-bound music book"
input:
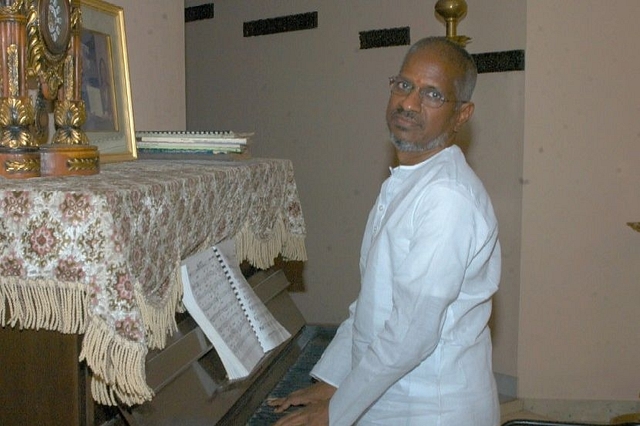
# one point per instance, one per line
(231, 315)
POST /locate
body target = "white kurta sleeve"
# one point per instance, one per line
(425, 283)
(335, 363)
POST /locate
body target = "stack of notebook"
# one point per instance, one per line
(168, 144)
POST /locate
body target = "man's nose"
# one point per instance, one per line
(412, 101)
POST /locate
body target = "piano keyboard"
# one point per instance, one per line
(317, 338)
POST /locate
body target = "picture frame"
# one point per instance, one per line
(106, 87)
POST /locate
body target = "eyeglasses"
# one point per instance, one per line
(429, 97)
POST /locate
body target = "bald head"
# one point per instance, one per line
(465, 80)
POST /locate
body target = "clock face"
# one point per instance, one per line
(54, 25)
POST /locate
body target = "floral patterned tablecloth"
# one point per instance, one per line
(100, 255)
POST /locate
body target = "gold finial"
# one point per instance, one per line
(452, 11)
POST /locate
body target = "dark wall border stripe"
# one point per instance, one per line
(198, 13)
(511, 60)
(282, 24)
(385, 38)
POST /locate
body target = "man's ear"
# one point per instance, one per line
(464, 114)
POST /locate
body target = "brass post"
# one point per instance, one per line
(19, 156)
(453, 11)
(16, 109)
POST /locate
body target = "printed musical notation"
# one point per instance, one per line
(231, 315)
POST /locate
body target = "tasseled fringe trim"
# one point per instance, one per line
(117, 364)
(294, 248)
(42, 303)
(160, 322)
(261, 253)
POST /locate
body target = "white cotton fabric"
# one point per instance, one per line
(416, 348)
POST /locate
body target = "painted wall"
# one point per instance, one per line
(315, 97)
(155, 41)
(580, 279)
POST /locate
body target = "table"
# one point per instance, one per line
(100, 255)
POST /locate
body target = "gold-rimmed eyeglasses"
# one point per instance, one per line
(429, 96)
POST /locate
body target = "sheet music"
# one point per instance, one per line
(269, 331)
(212, 303)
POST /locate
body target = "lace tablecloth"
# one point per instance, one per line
(100, 255)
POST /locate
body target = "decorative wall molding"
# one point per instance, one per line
(385, 38)
(198, 13)
(511, 60)
(282, 24)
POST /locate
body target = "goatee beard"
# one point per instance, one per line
(406, 146)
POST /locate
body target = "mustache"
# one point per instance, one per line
(406, 114)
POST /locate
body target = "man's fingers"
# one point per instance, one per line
(275, 401)
(279, 404)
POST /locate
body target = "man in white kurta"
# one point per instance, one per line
(416, 347)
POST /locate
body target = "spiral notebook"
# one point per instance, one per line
(231, 315)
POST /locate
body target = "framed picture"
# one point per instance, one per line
(106, 88)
